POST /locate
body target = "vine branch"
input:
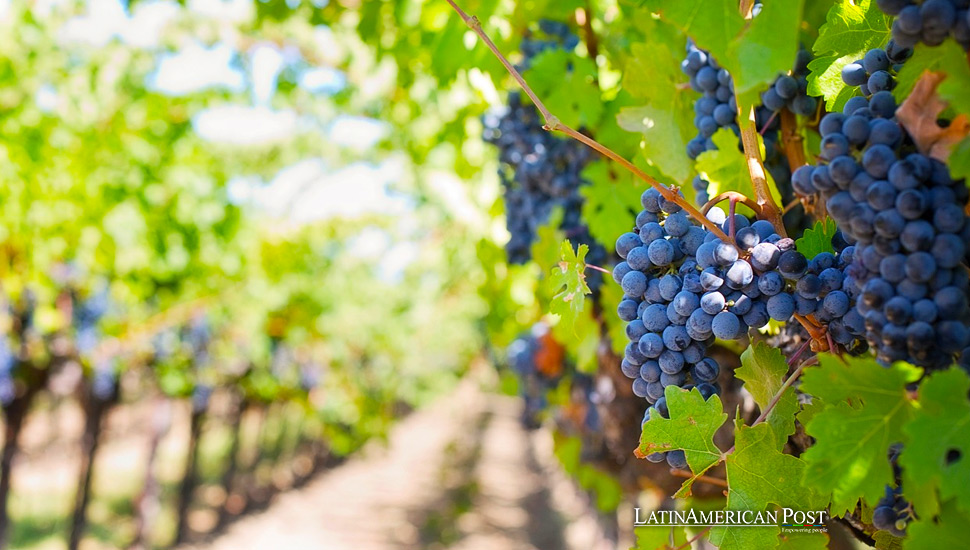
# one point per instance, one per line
(703, 478)
(791, 140)
(553, 124)
(732, 195)
(756, 168)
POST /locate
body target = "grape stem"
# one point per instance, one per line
(791, 140)
(764, 128)
(756, 169)
(598, 268)
(691, 540)
(552, 123)
(732, 195)
(777, 397)
(677, 472)
(732, 208)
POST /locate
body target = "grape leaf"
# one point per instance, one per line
(885, 541)
(940, 426)
(612, 201)
(665, 117)
(581, 338)
(767, 47)
(852, 27)
(567, 85)
(759, 476)
(726, 168)
(960, 160)
(865, 407)
(547, 248)
(948, 530)
(568, 281)
(713, 24)
(818, 239)
(664, 141)
(658, 537)
(763, 369)
(755, 51)
(691, 427)
(919, 113)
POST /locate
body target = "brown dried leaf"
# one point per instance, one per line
(918, 114)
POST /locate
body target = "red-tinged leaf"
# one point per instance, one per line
(919, 113)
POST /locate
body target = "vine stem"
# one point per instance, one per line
(791, 140)
(598, 268)
(704, 478)
(777, 396)
(552, 123)
(732, 195)
(756, 169)
(693, 539)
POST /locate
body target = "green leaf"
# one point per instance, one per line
(567, 85)
(726, 168)
(713, 24)
(763, 370)
(940, 426)
(691, 427)
(664, 115)
(547, 248)
(767, 47)
(818, 239)
(657, 538)
(865, 407)
(612, 201)
(568, 281)
(960, 160)
(948, 530)
(754, 52)
(885, 541)
(825, 79)
(664, 138)
(759, 476)
(852, 27)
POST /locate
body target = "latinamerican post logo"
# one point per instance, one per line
(788, 519)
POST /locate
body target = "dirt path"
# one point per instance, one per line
(460, 474)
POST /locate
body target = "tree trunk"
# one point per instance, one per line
(189, 480)
(14, 415)
(147, 504)
(232, 465)
(95, 410)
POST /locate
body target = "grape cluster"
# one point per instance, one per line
(929, 21)
(712, 112)
(717, 107)
(905, 216)
(876, 71)
(790, 91)
(539, 171)
(683, 287)
(829, 293)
